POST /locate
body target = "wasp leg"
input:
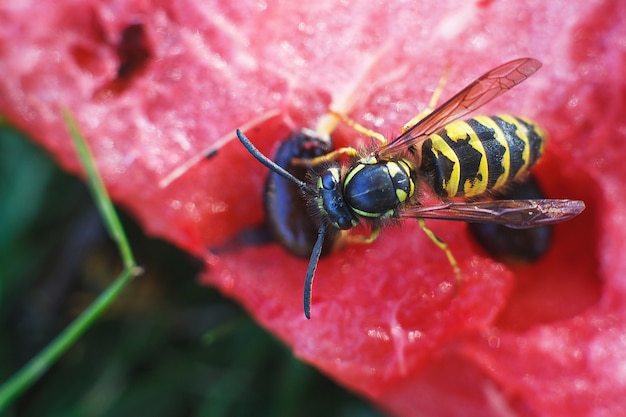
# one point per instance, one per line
(331, 156)
(361, 239)
(444, 247)
(432, 103)
(359, 128)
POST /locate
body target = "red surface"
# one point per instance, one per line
(540, 340)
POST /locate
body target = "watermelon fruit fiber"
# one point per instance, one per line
(154, 83)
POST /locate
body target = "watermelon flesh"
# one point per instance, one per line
(152, 84)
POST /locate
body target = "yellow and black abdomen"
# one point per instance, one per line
(471, 157)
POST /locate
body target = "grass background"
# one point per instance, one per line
(167, 347)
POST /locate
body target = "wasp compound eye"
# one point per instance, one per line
(331, 200)
(328, 180)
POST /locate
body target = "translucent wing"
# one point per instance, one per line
(483, 90)
(517, 214)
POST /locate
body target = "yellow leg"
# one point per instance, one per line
(359, 128)
(375, 232)
(350, 151)
(444, 247)
(432, 103)
(331, 156)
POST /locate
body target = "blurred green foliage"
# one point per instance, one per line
(167, 347)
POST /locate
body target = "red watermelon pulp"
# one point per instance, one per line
(153, 83)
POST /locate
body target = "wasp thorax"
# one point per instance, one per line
(377, 190)
(331, 202)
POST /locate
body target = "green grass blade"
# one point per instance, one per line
(37, 366)
(100, 195)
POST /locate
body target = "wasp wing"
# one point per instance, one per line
(516, 214)
(478, 93)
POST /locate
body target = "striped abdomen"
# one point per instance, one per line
(470, 157)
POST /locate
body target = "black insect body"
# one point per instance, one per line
(287, 213)
(514, 245)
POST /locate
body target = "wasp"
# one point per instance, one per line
(456, 158)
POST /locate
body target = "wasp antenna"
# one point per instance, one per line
(272, 165)
(310, 272)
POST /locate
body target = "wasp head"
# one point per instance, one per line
(330, 200)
